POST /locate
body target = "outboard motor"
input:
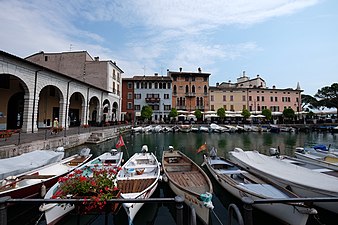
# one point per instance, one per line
(144, 149)
(171, 148)
(213, 153)
(274, 152)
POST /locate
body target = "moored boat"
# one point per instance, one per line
(138, 179)
(29, 161)
(188, 180)
(36, 182)
(297, 179)
(54, 212)
(242, 183)
(185, 128)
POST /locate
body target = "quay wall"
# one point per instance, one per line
(52, 143)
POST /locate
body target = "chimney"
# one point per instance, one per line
(156, 74)
(96, 58)
(199, 70)
(217, 84)
(273, 87)
(243, 73)
(180, 69)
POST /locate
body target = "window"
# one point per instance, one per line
(276, 99)
(186, 89)
(250, 98)
(243, 107)
(231, 98)
(205, 79)
(169, 85)
(193, 89)
(271, 99)
(130, 95)
(225, 107)
(118, 77)
(212, 107)
(166, 96)
(137, 85)
(175, 89)
(232, 108)
(129, 105)
(211, 98)
(137, 107)
(156, 85)
(137, 96)
(130, 85)
(186, 78)
(155, 107)
(164, 86)
(114, 76)
(167, 107)
(243, 98)
(224, 98)
(262, 98)
(46, 58)
(257, 98)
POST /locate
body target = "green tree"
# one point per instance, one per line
(198, 114)
(289, 113)
(328, 96)
(246, 114)
(173, 113)
(267, 113)
(146, 112)
(309, 102)
(221, 113)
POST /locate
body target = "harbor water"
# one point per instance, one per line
(159, 214)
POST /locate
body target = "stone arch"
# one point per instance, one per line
(49, 101)
(75, 111)
(94, 105)
(105, 109)
(14, 94)
(114, 111)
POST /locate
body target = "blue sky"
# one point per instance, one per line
(283, 41)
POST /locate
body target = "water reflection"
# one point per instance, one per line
(188, 143)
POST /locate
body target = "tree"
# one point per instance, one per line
(289, 113)
(328, 96)
(173, 113)
(221, 113)
(198, 114)
(246, 114)
(267, 113)
(309, 102)
(146, 112)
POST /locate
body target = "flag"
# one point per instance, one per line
(202, 148)
(120, 142)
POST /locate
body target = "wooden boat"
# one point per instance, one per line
(29, 161)
(242, 183)
(185, 128)
(188, 180)
(138, 179)
(298, 179)
(37, 181)
(54, 212)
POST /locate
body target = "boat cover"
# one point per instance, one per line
(27, 161)
(278, 169)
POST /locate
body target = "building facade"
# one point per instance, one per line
(103, 74)
(154, 91)
(254, 95)
(190, 90)
(127, 113)
(32, 96)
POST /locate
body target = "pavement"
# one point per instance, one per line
(45, 134)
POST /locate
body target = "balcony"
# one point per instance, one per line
(190, 94)
(181, 107)
(153, 100)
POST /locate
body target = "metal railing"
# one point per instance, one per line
(4, 201)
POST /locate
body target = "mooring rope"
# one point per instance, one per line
(213, 211)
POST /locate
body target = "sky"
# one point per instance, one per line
(283, 41)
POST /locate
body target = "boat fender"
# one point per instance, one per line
(164, 178)
(206, 198)
(43, 190)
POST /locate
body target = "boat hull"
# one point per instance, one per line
(288, 213)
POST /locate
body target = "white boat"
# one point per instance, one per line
(242, 183)
(137, 129)
(28, 161)
(328, 161)
(204, 129)
(35, 182)
(138, 179)
(217, 128)
(298, 179)
(188, 180)
(185, 128)
(54, 212)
